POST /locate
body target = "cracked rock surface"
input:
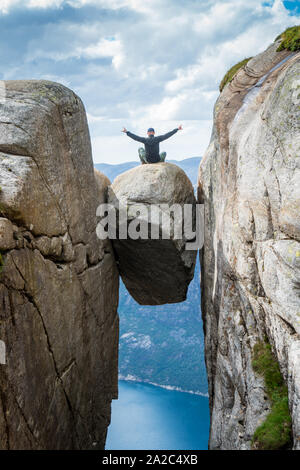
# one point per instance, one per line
(249, 183)
(58, 281)
(155, 270)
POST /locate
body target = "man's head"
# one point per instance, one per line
(151, 131)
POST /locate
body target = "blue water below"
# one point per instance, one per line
(148, 417)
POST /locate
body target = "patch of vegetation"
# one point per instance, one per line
(290, 39)
(275, 432)
(231, 72)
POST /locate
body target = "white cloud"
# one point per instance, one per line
(104, 48)
(44, 3)
(142, 63)
(110, 4)
(145, 6)
(5, 5)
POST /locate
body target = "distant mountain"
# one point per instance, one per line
(162, 344)
(112, 171)
(189, 165)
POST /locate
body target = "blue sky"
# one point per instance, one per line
(139, 63)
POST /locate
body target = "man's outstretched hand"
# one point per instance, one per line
(180, 127)
(124, 130)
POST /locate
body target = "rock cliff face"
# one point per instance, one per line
(58, 281)
(249, 184)
(158, 268)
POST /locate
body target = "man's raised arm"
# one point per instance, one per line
(160, 138)
(133, 136)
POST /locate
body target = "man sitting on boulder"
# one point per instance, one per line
(150, 154)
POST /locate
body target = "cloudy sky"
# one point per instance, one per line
(139, 63)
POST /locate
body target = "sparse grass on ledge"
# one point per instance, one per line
(290, 39)
(231, 72)
(275, 432)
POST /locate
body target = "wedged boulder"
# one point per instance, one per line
(58, 281)
(155, 270)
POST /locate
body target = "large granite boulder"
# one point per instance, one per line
(249, 184)
(58, 281)
(155, 271)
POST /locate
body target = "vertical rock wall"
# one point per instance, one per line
(58, 282)
(249, 183)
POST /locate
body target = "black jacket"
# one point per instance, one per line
(152, 144)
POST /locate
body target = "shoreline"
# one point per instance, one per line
(132, 378)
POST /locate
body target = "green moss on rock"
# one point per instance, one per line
(290, 39)
(275, 432)
(231, 72)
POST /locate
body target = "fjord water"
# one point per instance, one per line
(149, 417)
